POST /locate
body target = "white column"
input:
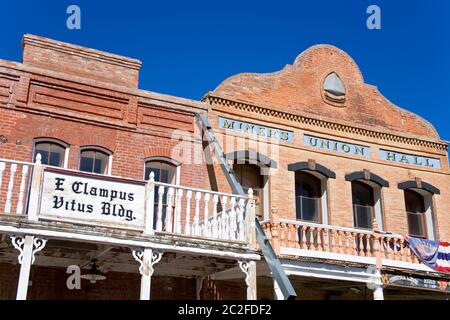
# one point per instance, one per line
(376, 285)
(378, 292)
(36, 179)
(149, 204)
(27, 246)
(249, 268)
(146, 258)
(277, 294)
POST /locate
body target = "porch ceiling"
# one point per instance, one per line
(61, 254)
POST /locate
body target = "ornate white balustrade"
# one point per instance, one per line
(67, 199)
(14, 185)
(199, 213)
(40, 192)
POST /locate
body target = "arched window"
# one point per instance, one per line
(367, 198)
(95, 160)
(415, 211)
(363, 204)
(419, 207)
(307, 197)
(165, 170)
(53, 152)
(311, 199)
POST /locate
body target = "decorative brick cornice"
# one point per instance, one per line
(325, 124)
(93, 54)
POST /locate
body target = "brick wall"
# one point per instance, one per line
(45, 98)
(79, 61)
(292, 99)
(50, 96)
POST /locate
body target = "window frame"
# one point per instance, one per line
(106, 151)
(319, 189)
(371, 190)
(166, 160)
(264, 190)
(58, 142)
(426, 229)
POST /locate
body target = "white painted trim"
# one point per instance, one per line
(324, 199)
(100, 149)
(110, 161)
(175, 163)
(266, 212)
(429, 213)
(277, 294)
(329, 271)
(17, 162)
(327, 255)
(66, 158)
(406, 265)
(178, 175)
(61, 143)
(378, 208)
(357, 259)
(125, 242)
(168, 185)
(25, 266)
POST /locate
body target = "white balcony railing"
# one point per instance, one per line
(29, 190)
(196, 212)
(15, 179)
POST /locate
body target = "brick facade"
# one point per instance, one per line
(84, 97)
(291, 99)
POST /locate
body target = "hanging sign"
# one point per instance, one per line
(414, 282)
(92, 199)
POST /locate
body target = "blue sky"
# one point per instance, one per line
(189, 47)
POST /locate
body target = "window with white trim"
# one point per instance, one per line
(52, 153)
(164, 171)
(95, 160)
(308, 194)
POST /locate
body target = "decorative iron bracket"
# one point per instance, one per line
(244, 265)
(146, 268)
(19, 241)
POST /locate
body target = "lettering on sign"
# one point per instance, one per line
(337, 146)
(91, 199)
(254, 129)
(411, 159)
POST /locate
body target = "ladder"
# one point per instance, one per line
(269, 254)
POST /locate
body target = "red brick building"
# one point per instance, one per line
(338, 174)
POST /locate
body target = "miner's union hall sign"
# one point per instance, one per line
(91, 199)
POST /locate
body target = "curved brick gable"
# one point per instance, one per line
(297, 89)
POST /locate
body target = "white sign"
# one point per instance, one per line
(91, 199)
